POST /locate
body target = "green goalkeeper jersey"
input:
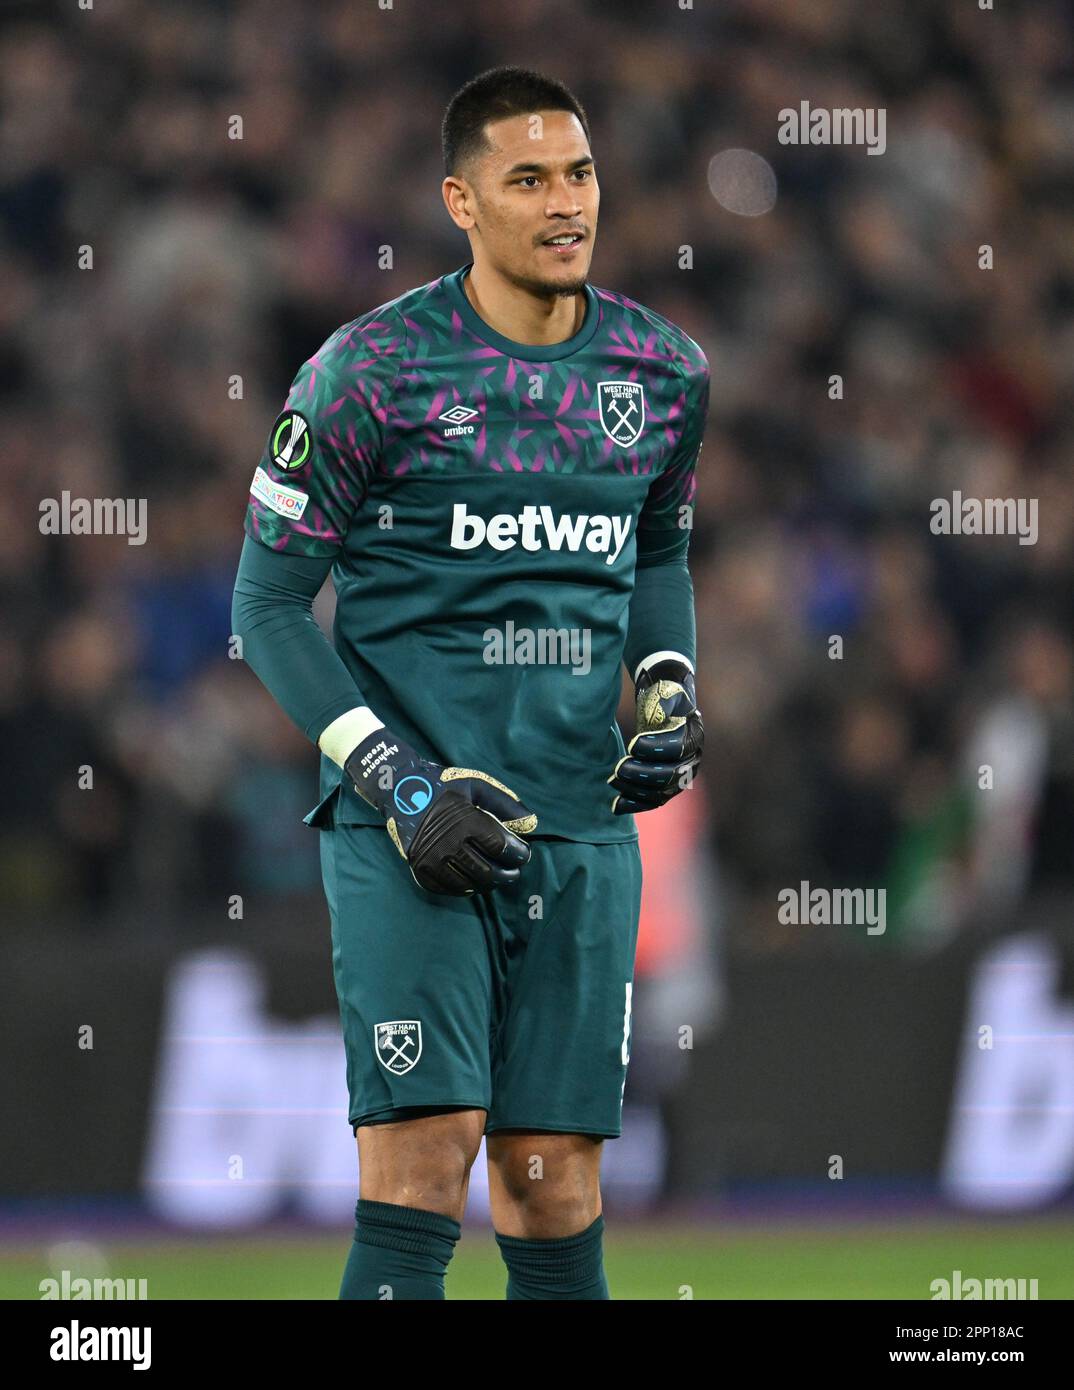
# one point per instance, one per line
(486, 504)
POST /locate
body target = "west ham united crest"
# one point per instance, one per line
(622, 410)
(397, 1045)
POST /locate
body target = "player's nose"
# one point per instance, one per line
(563, 199)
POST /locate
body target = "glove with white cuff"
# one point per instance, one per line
(457, 828)
(665, 752)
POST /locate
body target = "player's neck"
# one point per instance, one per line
(522, 317)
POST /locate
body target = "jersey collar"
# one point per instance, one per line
(530, 352)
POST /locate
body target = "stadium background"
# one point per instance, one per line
(217, 265)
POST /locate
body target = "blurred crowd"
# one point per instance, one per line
(164, 281)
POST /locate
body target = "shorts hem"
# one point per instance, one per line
(367, 1115)
(550, 1127)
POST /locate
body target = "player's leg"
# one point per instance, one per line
(414, 1175)
(544, 1195)
(412, 976)
(543, 1185)
(559, 1064)
(422, 1162)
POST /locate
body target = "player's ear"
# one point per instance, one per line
(459, 201)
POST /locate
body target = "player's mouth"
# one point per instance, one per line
(565, 244)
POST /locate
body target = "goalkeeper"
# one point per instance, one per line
(498, 470)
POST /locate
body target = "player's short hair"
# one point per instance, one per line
(493, 96)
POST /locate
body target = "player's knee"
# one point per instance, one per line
(526, 1165)
(420, 1163)
(546, 1213)
(541, 1200)
(432, 1184)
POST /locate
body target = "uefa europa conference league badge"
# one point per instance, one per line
(291, 442)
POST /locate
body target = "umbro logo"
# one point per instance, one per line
(457, 414)
(457, 417)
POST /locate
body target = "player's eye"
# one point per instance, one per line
(526, 178)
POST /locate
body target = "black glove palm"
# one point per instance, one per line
(456, 827)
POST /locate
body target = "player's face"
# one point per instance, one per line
(538, 182)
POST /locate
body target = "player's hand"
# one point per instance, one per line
(665, 752)
(459, 829)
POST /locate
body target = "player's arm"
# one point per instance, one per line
(272, 611)
(456, 828)
(660, 650)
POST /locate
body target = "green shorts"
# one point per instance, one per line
(516, 1002)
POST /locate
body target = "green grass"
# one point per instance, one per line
(850, 1262)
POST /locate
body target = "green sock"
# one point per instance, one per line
(398, 1252)
(568, 1267)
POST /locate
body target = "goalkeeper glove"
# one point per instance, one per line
(454, 826)
(664, 754)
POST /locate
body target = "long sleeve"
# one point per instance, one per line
(661, 614)
(272, 611)
(311, 480)
(662, 605)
